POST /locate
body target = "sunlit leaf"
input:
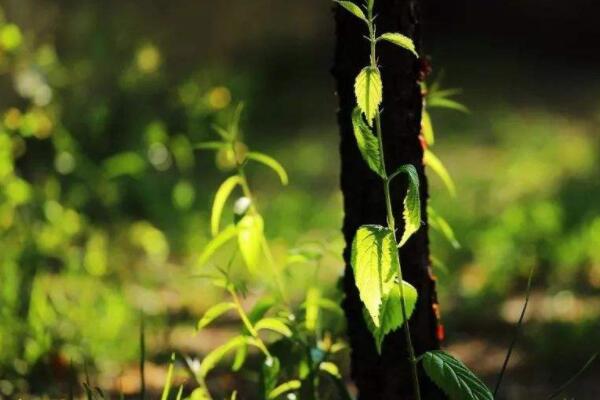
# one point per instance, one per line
(169, 379)
(271, 163)
(391, 312)
(313, 296)
(200, 394)
(240, 358)
(214, 357)
(286, 387)
(213, 313)
(436, 165)
(179, 393)
(210, 145)
(454, 378)
(217, 242)
(444, 102)
(427, 128)
(412, 202)
(250, 237)
(219, 203)
(354, 9)
(400, 40)
(275, 325)
(367, 143)
(331, 369)
(375, 266)
(440, 224)
(368, 89)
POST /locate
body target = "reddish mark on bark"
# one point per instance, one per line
(424, 68)
(440, 332)
(423, 142)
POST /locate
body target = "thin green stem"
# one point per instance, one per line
(247, 323)
(390, 216)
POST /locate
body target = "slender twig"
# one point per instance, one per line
(390, 216)
(573, 378)
(517, 333)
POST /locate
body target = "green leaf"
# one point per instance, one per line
(214, 357)
(240, 358)
(427, 128)
(284, 388)
(443, 102)
(200, 394)
(179, 393)
(217, 242)
(273, 324)
(454, 378)
(354, 9)
(331, 369)
(219, 203)
(367, 143)
(250, 237)
(436, 165)
(271, 163)
(412, 202)
(311, 319)
(167, 387)
(368, 89)
(400, 40)
(210, 145)
(391, 312)
(213, 313)
(269, 375)
(375, 266)
(440, 224)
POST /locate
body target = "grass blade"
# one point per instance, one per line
(516, 334)
(142, 358)
(573, 378)
(167, 388)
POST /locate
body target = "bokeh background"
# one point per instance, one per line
(104, 204)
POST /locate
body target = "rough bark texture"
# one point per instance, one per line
(386, 376)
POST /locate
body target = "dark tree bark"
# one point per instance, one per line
(387, 376)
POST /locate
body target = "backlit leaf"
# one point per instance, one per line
(223, 237)
(427, 128)
(436, 165)
(440, 224)
(169, 379)
(444, 102)
(312, 308)
(391, 312)
(214, 357)
(213, 313)
(368, 89)
(219, 203)
(210, 145)
(271, 163)
(400, 40)
(286, 387)
(454, 378)
(354, 9)
(273, 324)
(250, 237)
(412, 202)
(367, 143)
(375, 266)
(270, 370)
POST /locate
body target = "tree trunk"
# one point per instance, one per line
(387, 376)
